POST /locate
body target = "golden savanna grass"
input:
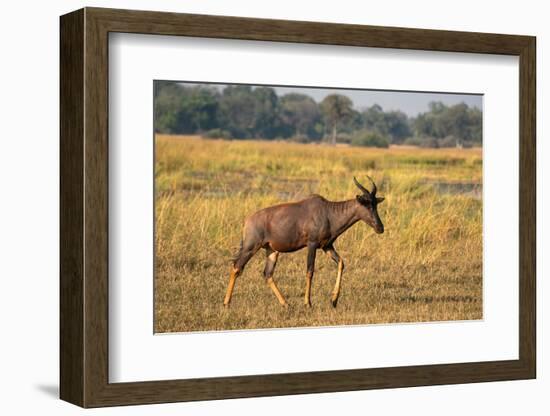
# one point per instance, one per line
(427, 266)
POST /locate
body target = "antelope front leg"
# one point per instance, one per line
(309, 276)
(331, 252)
(236, 270)
(230, 286)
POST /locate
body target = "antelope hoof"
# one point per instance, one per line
(334, 302)
(307, 304)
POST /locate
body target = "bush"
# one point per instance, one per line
(413, 141)
(217, 134)
(300, 138)
(449, 141)
(344, 138)
(422, 142)
(429, 142)
(370, 139)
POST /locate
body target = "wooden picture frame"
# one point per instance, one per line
(84, 207)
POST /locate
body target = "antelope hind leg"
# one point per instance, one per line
(307, 295)
(270, 263)
(311, 253)
(278, 294)
(331, 252)
(336, 291)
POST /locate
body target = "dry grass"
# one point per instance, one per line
(427, 266)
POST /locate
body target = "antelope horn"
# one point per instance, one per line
(361, 187)
(373, 193)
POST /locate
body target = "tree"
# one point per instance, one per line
(392, 124)
(266, 113)
(351, 123)
(198, 110)
(237, 110)
(442, 122)
(373, 118)
(336, 108)
(476, 125)
(166, 104)
(301, 115)
(243, 112)
(397, 126)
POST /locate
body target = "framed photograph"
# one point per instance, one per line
(255, 207)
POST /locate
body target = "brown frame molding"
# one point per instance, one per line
(84, 207)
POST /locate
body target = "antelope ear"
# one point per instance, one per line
(381, 199)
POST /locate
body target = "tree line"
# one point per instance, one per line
(245, 112)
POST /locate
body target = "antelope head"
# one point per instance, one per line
(368, 202)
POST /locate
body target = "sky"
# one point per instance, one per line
(411, 103)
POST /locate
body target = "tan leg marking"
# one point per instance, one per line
(307, 296)
(275, 290)
(229, 292)
(336, 291)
